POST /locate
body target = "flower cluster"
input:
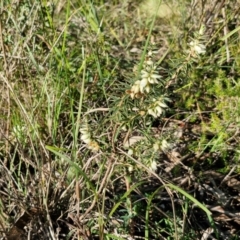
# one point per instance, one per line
(149, 76)
(163, 146)
(157, 108)
(197, 46)
(86, 138)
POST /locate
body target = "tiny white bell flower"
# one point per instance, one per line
(147, 88)
(150, 53)
(153, 78)
(152, 112)
(165, 146)
(84, 131)
(197, 47)
(149, 62)
(130, 168)
(135, 89)
(130, 152)
(143, 84)
(163, 105)
(153, 166)
(86, 138)
(158, 110)
(144, 74)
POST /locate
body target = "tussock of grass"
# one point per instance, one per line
(119, 120)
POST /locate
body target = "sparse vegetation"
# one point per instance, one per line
(119, 119)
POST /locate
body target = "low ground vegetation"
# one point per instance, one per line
(119, 119)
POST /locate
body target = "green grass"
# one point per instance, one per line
(119, 120)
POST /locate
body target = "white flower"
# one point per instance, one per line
(150, 77)
(84, 128)
(143, 84)
(149, 62)
(84, 131)
(155, 112)
(145, 74)
(153, 166)
(162, 104)
(124, 128)
(153, 78)
(197, 47)
(157, 108)
(136, 87)
(86, 138)
(165, 146)
(130, 152)
(147, 88)
(130, 168)
(135, 90)
(150, 53)
(152, 112)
